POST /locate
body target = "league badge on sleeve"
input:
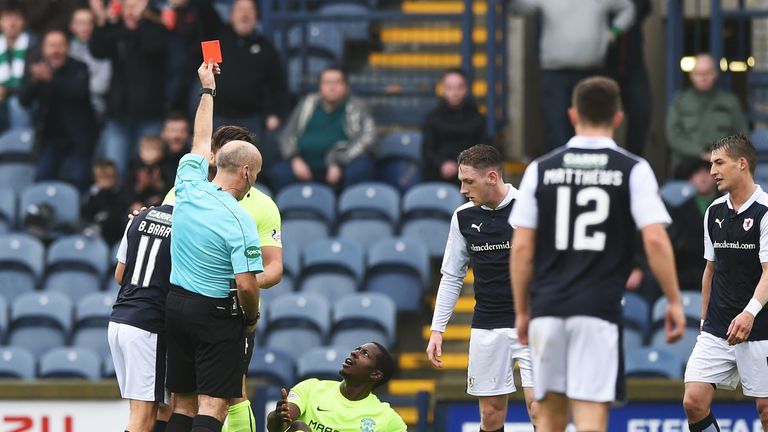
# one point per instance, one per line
(748, 224)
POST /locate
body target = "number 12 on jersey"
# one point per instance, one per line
(581, 239)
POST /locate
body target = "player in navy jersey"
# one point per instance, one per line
(136, 330)
(480, 235)
(733, 343)
(575, 218)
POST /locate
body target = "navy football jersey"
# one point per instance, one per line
(146, 252)
(586, 200)
(479, 236)
(737, 242)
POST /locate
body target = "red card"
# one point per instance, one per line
(211, 51)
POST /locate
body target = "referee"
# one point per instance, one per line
(213, 242)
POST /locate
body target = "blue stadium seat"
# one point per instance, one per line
(653, 362)
(308, 211)
(398, 160)
(323, 39)
(759, 139)
(17, 143)
(398, 268)
(322, 363)
(272, 365)
(632, 339)
(62, 197)
(312, 201)
(7, 210)
(291, 259)
(636, 312)
(691, 307)
(351, 30)
(21, 264)
(676, 192)
(40, 321)
(17, 175)
(108, 371)
(284, 287)
(3, 318)
(297, 320)
(76, 266)
(427, 211)
(682, 348)
(332, 268)
(16, 363)
(362, 318)
(70, 363)
(368, 212)
(761, 172)
(92, 314)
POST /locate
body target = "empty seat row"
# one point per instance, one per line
(640, 316)
(73, 265)
(368, 212)
(71, 362)
(284, 370)
(396, 267)
(40, 321)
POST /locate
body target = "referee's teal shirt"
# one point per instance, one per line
(213, 239)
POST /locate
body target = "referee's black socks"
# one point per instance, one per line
(179, 423)
(709, 424)
(204, 423)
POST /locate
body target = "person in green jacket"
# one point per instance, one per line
(702, 114)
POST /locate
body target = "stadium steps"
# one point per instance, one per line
(422, 60)
(442, 7)
(443, 35)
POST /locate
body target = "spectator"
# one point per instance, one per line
(136, 45)
(252, 91)
(175, 135)
(454, 125)
(571, 52)
(329, 137)
(106, 202)
(49, 15)
(702, 114)
(687, 228)
(626, 64)
(14, 44)
(81, 25)
(147, 178)
(64, 117)
(189, 22)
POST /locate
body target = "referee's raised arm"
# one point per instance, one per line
(201, 140)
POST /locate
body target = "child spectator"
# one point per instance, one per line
(147, 180)
(106, 202)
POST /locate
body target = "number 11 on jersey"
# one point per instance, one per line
(581, 239)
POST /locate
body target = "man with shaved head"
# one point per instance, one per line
(216, 256)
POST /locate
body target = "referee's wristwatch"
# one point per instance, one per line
(206, 90)
(250, 322)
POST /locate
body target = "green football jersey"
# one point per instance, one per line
(324, 409)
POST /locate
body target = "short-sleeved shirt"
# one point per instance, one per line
(481, 236)
(324, 408)
(737, 242)
(213, 238)
(146, 252)
(586, 201)
(262, 210)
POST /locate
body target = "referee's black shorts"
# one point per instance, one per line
(206, 344)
